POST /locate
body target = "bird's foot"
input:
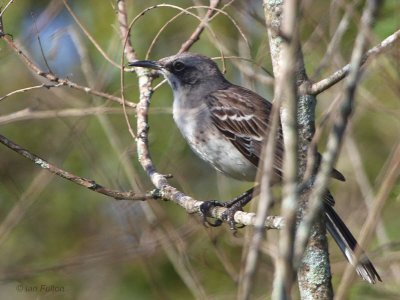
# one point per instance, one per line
(234, 205)
(205, 208)
(228, 215)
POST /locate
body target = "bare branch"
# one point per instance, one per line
(87, 183)
(313, 271)
(61, 81)
(125, 31)
(337, 76)
(47, 86)
(337, 36)
(5, 7)
(30, 114)
(196, 34)
(206, 25)
(286, 92)
(88, 35)
(41, 47)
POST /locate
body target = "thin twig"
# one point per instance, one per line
(30, 114)
(185, 11)
(87, 183)
(234, 23)
(337, 37)
(40, 45)
(5, 7)
(248, 272)
(47, 86)
(61, 81)
(368, 196)
(390, 180)
(337, 76)
(197, 32)
(161, 30)
(88, 35)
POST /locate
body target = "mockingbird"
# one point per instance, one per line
(226, 125)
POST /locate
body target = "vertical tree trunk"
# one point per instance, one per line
(313, 272)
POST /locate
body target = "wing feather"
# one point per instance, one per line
(243, 122)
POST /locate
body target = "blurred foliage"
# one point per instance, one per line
(55, 233)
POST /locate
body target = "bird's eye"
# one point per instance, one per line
(178, 66)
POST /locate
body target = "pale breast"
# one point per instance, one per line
(210, 145)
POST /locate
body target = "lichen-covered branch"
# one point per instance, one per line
(286, 93)
(313, 283)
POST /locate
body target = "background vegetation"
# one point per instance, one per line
(55, 233)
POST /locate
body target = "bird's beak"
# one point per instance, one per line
(149, 64)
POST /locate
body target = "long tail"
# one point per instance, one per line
(347, 243)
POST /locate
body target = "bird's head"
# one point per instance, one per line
(185, 70)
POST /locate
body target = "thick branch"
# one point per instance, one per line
(285, 92)
(314, 272)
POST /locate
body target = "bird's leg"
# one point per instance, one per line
(233, 206)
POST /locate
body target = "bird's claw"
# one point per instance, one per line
(227, 216)
(205, 208)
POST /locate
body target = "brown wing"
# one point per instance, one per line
(242, 116)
